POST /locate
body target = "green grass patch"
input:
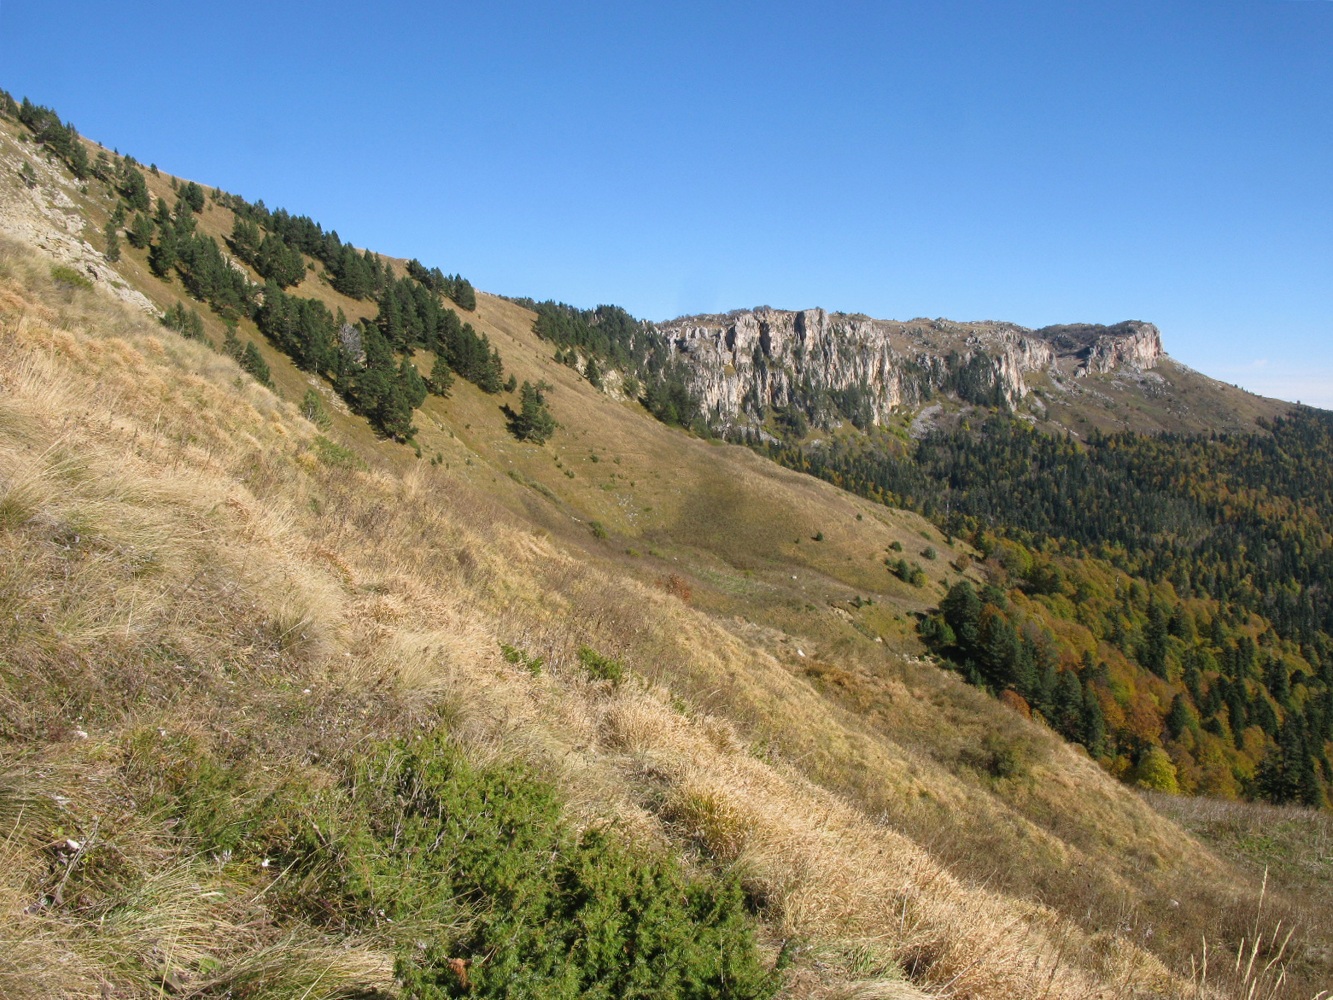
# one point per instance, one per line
(533, 664)
(335, 455)
(533, 485)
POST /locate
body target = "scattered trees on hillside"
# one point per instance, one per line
(454, 286)
(369, 361)
(62, 139)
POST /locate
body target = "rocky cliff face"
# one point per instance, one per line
(1139, 348)
(835, 366)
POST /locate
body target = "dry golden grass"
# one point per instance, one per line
(175, 555)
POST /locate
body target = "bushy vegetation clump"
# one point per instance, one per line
(472, 874)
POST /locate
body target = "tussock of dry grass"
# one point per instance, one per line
(174, 556)
(145, 922)
(825, 870)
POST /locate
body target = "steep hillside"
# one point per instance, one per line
(264, 680)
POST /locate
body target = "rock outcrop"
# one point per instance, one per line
(837, 366)
(1137, 349)
(45, 215)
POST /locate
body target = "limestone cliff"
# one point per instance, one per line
(835, 365)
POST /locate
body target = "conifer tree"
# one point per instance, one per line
(112, 241)
(441, 378)
(1153, 654)
(1287, 773)
(140, 233)
(245, 239)
(133, 188)
(1179, 718)
(1068, 705)
(184, 321)
(394, 415)
(534, 421)
(162, 256)
(253, 362)
(193, 196)
(231, 344)
(1094, 722)
(313, 409)
(411, 384)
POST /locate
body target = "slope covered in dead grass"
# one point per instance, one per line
(184, 556)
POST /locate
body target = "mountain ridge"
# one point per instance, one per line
(836, 366)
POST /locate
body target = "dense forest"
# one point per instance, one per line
(1163, 600)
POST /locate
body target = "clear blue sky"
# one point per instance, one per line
(1036, 162)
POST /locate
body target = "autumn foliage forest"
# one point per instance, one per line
(1177, 627)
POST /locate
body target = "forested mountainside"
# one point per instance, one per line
(1181, 580)
(364, 636)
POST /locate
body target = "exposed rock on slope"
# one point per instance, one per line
(45, 215)
(832, 364)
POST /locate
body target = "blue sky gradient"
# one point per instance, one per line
(1036, 162)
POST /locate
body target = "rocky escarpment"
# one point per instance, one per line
(1104, 349)
(836, 366)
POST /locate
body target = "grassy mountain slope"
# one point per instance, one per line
(1172, 397)
(203, 591)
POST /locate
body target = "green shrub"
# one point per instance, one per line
(313, 409)
(335, 455)
(907, 572)
(551, 914)
(470, 874)
(602, 668)
(69, 279)
(533, 664)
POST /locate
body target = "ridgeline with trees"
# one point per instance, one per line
(609, 339)
(369, 363)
